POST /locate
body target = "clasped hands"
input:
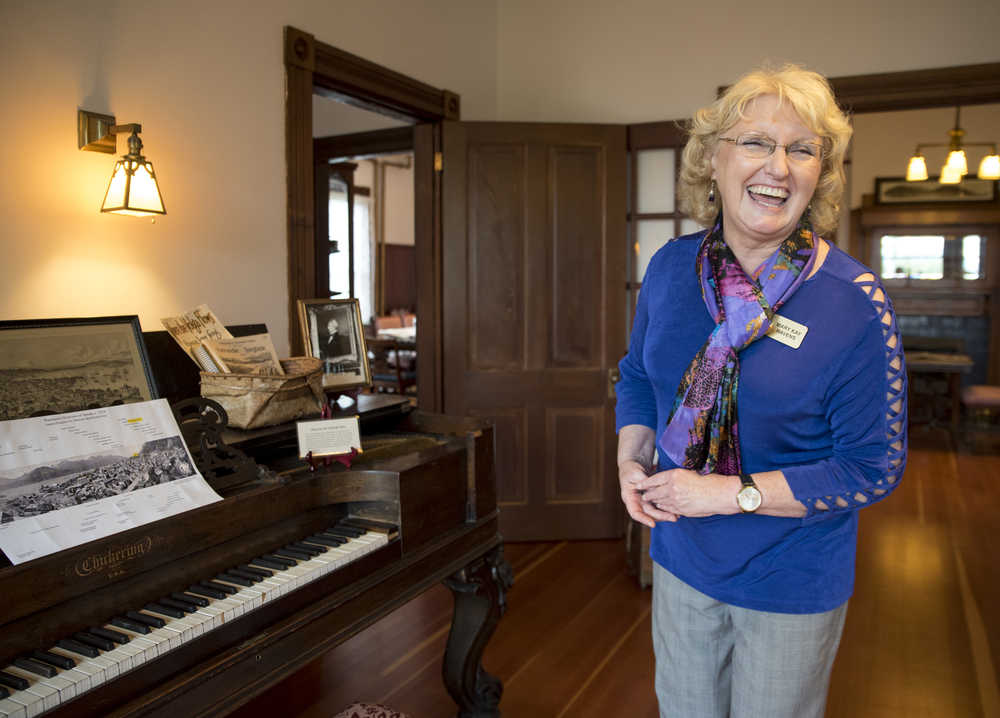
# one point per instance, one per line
(667, 495)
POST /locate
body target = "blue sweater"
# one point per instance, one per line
(831, 415)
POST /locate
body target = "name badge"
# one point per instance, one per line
(786, 331)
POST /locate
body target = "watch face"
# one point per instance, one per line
(748, 498)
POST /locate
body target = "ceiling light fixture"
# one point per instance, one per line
(957, 164)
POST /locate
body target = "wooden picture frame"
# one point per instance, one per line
(344, 353)
(896, 190)
(60, 365)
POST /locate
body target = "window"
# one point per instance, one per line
(351, 253)
(946, 258)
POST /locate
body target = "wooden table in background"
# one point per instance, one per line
(952, 366)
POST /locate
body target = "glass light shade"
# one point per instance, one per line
(950, 175)
(989, 168)
(956, 160)
(917, 169)
(133, 190)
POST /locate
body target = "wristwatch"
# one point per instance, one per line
(749, 497)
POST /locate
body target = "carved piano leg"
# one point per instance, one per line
(479, 591)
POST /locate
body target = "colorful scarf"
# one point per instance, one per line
(702, 433)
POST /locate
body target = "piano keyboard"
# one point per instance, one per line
(44, 679)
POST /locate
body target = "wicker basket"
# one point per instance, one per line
(253, 401)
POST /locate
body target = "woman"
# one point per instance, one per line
(765, 374)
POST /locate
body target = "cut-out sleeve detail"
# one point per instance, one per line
(870, 469)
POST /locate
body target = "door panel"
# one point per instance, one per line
(534, 256)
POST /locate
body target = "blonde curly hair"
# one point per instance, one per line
(810, 95)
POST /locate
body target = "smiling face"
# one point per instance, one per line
(763, 198)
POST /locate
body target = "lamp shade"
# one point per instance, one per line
(917, 169)
(950, 175)
(957, 161)
(989, 168)
(133, 189)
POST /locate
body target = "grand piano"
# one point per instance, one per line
(219, 603)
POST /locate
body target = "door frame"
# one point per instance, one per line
(313, 67)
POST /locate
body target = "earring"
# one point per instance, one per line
(711, 193)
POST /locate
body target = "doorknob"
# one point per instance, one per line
(613, 376)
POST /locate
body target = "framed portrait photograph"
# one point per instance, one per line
(332, 331)
(59, 365)
(896, 190)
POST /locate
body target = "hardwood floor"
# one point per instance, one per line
(922, 637)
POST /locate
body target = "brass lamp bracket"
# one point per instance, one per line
(98, 133)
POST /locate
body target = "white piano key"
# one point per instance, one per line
(66, 689)
(37, 694)
(231, 609)
(127, 656)
(106, 664)
(36, 697)
(30, 704)
(186, 629)
(152, 646)
(43, 694)
(165, 639)
(249, 596)
(12, 709)
(81, 679)
(273, 587)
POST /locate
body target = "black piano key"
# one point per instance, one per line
(4, 693)
(275, 562)
(339, 537)
(348, 529)
(129, 624)
(110, 634)
(53, 659)
(182, 606)
(355, 522)
(198, 601)
(283, 561)
(164, 610)
(306, 548)
(331, 541)
(145, 619)
(340, 534)
(12, 681)
(218, 586)
(78, 647)
(232, 577)
(257, 570)
(96, 641)
(251, 576)
(39, 669)
(207, 591)
(326, 540)
(289, 553)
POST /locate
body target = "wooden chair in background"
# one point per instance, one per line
(393, 366)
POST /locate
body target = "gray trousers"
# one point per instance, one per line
(714, 660)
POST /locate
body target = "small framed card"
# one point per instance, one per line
(328, 437)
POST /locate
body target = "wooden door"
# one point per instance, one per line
(534, 312)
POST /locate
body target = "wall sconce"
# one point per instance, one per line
(133, 189)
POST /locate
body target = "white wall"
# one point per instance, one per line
(648, 60)
(399, 201)
(206, 81)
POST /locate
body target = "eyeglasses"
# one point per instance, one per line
(760, 146)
